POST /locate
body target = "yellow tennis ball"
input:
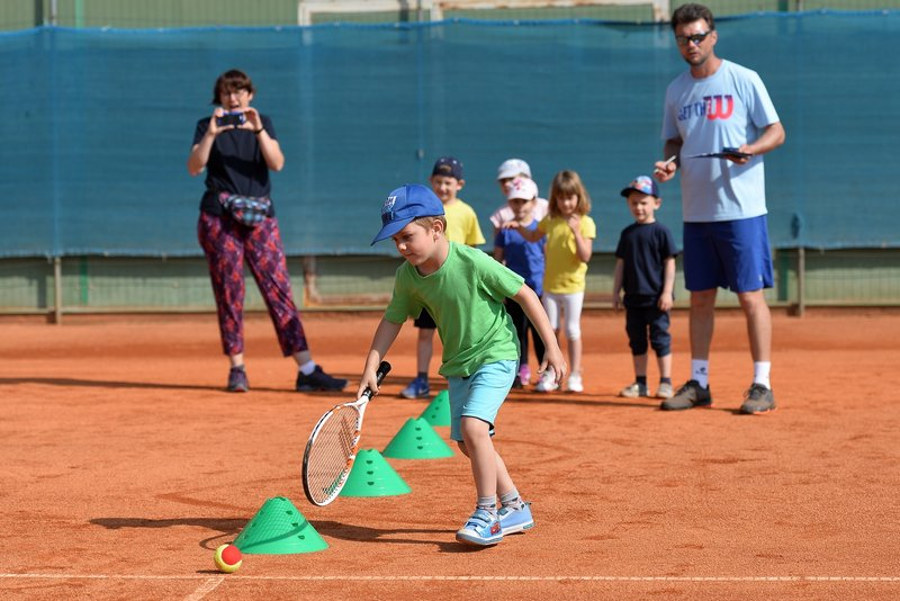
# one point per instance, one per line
(228, 559)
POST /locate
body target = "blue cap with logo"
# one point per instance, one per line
(643, 184)
(404, 205)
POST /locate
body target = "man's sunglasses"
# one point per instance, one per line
(697, 38)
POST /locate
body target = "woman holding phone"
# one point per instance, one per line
(237, 147)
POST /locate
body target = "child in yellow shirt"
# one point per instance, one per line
(570, 232)
(462, 227)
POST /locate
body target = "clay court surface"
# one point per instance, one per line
(125, 464)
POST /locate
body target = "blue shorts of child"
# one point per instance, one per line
(480, 394)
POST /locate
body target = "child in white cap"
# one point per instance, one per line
(527, 259)
(509, 170)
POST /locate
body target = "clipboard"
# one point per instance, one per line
(725, 153)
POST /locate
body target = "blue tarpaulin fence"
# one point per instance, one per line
(98, 124)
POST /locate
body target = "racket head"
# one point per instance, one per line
(330, 452)
(332, 446)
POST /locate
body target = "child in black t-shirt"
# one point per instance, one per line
(645, 270)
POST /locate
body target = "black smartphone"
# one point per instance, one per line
(235, 118)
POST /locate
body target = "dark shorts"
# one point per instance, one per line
(425, 321)
(728, 254)
(648, 323)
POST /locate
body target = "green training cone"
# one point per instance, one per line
(278, 528)
(437, 413)
(373, 476)
(417, 440)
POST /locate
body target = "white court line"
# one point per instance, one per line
(215, 581)
(205, 587)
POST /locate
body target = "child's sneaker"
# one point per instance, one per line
(574, 384)
(547, 381)
(665, 391)
(417, 389)
(237, 380)
(318, 380)
(515, 520)
(524, 375)
(635, 390)
(481, 529)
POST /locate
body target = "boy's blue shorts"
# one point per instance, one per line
(480, 395)
(728, 254)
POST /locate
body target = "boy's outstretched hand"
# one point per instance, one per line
(368, 380)
(384, 337)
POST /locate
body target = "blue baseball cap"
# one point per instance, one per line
(404, 205)
(643, 184)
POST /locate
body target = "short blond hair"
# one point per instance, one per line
(428, 222)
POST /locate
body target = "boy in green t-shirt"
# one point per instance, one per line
(464, 290)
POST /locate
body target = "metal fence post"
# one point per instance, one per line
(57, 290)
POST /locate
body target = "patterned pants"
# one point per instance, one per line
(227, 245)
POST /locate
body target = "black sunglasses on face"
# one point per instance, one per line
(697, 38)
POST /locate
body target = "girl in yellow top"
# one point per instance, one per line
(570, 233)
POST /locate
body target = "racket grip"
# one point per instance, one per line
(382, 371)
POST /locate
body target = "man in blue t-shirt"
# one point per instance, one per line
(716, 105)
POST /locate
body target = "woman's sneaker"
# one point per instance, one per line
(547, 381)
(319, 380)
(237, 380)
(482, 529)
(515, 520)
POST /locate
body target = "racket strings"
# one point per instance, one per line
(330, 454)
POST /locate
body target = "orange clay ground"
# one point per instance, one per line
(125, 464)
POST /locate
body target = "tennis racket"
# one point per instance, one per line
(332, 446)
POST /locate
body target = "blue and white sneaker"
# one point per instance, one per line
(417, 389)
(516, 520)
(480, 529)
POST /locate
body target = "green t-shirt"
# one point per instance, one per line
(465, 297)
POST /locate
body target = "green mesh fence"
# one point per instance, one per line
(100, 124)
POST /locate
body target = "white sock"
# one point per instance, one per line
(489, 504)
(761, 371)
(511, 499)
(700, 371)
(308, 367)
